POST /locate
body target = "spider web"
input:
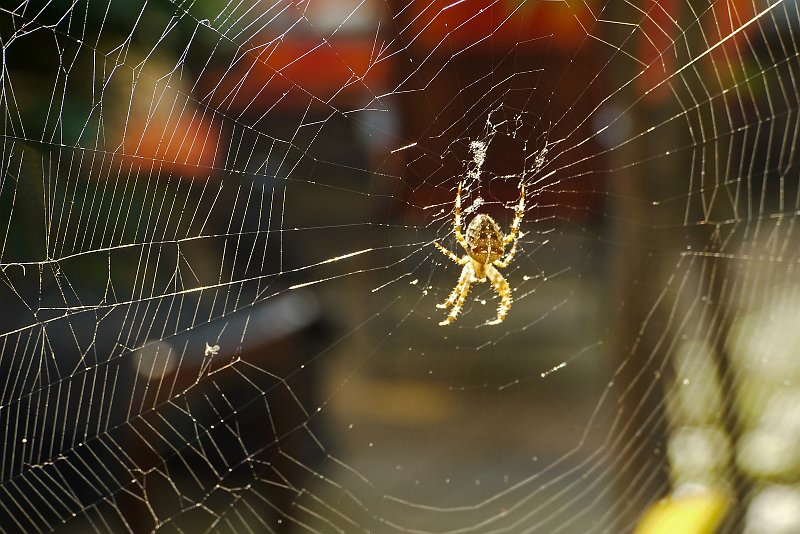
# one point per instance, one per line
(219, 282)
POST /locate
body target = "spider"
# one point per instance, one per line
(485, 245)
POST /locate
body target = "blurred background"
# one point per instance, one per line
(219, 284)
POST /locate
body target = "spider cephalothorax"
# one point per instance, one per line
(485, 245)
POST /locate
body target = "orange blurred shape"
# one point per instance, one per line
(297, 71)
(657, 33)
(726, 20)
(725, 23)
(492, 23)
(185, 145)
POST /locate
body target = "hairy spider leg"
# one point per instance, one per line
(501, 286)
(457, 221)
(466, 277)
(462, 290)
(460, 261)
(513, 235)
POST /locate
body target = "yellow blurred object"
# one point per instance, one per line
(699, 513)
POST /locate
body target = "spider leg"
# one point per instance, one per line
(514, 234)
(457, 220)
(460, 261)
(502, 264)
(461, 290)
(501, 286)
(466, 274)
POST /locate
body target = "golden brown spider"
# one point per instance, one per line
(485, 245)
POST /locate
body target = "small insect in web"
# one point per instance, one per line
(485, 245)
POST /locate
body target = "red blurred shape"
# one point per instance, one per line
(296, 71)
(492, 23)
(658, 31)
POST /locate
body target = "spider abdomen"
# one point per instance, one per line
(485, 239)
